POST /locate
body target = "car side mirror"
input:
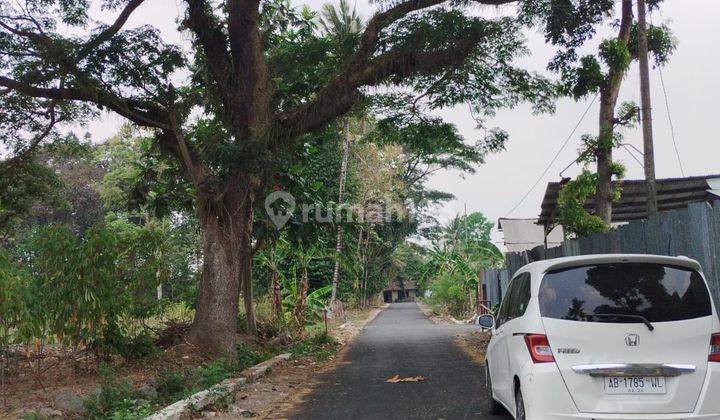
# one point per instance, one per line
(486, 322)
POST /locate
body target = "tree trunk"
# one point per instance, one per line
(341, 199)
(365, 270)
(215, 322)
(227, 258)
(608, 100)
(302, 298)
(247, 292)
(603, 196)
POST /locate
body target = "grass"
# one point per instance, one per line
(118, 400)
(321, 346)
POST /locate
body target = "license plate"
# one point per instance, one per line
(635, 385)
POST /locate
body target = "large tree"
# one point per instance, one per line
(261, 77)
(571, 25)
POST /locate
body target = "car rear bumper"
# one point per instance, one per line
(678, 416)
(547, 398)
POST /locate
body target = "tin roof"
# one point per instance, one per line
(672, 193)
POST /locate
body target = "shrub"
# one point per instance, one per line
(16, 316)
(322, 346)
(116, 395)
(211, 373)
(246, 356)
(171, 386)
(450, 292)
(83, 290)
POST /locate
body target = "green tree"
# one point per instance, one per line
(263, 78)
(452, 266)
(569, 25)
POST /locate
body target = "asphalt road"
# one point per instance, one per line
(401, 341)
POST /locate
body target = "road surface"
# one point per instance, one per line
(402, 341)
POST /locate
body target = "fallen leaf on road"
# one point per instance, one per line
(396, 379)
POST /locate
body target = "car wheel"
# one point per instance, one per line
(494, 407)
(519, 405)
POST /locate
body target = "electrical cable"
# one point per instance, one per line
(565, 143)
(672, 126)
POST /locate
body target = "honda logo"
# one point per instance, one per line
(632, 340)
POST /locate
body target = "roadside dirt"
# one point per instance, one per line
(474, 344)
(276, 395)
(442, 319)
(32, 380)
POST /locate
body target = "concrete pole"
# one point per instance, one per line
(649, 152)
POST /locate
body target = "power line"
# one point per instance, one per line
(632, 155)
(672, 126)
(667, 108)
(572, 133)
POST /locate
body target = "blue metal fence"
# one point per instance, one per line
(693, 232)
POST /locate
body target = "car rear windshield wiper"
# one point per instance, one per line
(636, 317)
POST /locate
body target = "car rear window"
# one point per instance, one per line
(657, 292)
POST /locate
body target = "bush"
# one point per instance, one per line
(116, 395)
(322, 346)
(450, 292)
(216, 371)
(16, 316)
(171, 386)
(85, 291)
(247, 357)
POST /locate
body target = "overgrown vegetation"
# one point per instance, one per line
(451, 268)
(602, 75)
(109, 246)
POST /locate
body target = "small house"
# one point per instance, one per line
(400, 291)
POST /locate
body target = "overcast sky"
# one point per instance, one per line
(692, 83)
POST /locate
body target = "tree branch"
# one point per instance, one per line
(195, 168)
(382, 20)
(17, 159)
(213, 42)
(110, 31)
(337, 96)
(142, 113)
(39, 38)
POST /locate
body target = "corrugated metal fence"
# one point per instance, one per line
(693, 232)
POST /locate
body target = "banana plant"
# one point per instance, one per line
(304, 255)
(315, 302)
(271, 258)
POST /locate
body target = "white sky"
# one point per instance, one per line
(692, 87)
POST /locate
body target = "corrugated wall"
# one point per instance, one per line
(693, 232)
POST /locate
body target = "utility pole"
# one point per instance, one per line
(649, 152)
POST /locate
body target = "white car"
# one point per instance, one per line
(605, 337)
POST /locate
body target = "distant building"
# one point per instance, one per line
(397, 291)
(525, 234)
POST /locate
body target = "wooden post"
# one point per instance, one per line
(478, 292)
(325, 316)
(649, 151)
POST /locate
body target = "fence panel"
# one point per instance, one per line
(693, 232)
(632, 238)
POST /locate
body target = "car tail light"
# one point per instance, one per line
(714, 348)
(539, 348)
